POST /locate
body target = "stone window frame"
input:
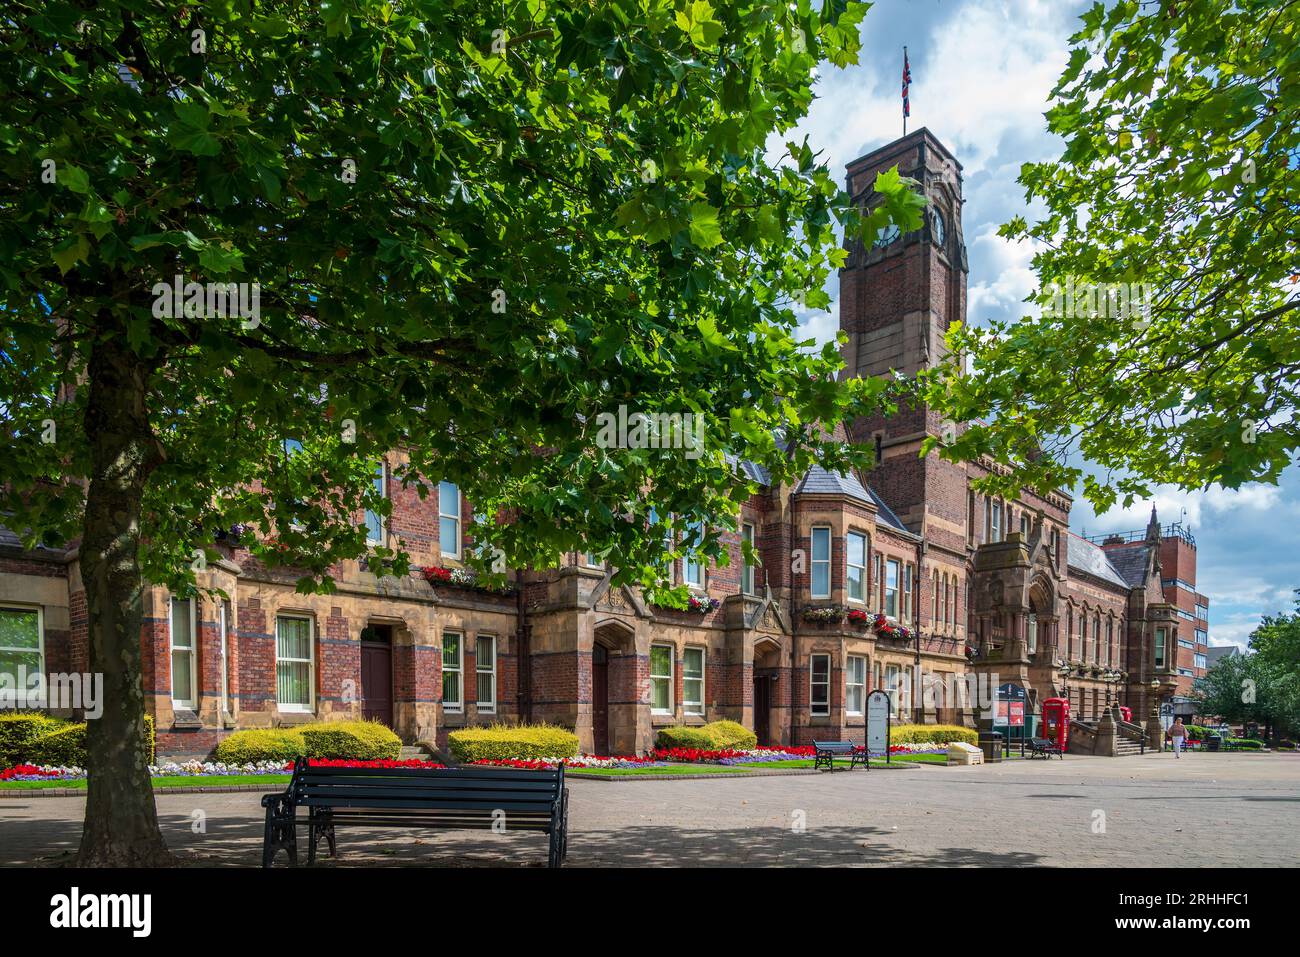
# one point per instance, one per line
(669, 678)
(310, 707)
(848, 565)
(457, 706)
(690, 706)
(22, 696)
(191, 652)
(812, 683)
(850, 684)
(490, 707)
(814, 561)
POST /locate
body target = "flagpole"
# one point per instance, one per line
(905, 96)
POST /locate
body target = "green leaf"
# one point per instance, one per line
(705, 231)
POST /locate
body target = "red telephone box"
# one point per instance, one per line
(1126, 713)
(1056, 721)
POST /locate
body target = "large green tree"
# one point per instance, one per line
(473, 227)
(1181, 124)
(1263, 685)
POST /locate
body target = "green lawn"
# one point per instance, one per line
(176, 781)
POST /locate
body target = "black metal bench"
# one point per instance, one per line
(494, 798)
(1044, 747)
(825, 753)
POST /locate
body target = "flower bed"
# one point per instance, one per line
(204, 769)
(578, 763)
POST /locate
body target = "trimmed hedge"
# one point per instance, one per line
(356, 740)
(683, 737)
(714, 736)
(1243, 744)
(261, 744)
(932, 734)
(512, 741)
(17, 732)
(732, 734)
(338, 740)
(65, 745)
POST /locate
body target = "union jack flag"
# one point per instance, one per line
(907, 81)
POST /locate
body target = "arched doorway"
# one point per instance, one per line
(613, 706)
(600, 699)
(767, 661)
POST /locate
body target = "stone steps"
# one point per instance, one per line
(415, 752)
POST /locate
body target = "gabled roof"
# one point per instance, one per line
(1090, 559)
(1131, 561)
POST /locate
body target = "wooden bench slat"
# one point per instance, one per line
(433, 784)
(381, 802)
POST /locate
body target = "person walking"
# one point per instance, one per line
(1178, 734)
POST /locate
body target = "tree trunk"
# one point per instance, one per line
(121, 827)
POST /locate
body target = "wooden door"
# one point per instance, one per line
(762, 710)
(377, 681)
(600, 700)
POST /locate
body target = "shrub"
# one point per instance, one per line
(1197, 731)
(513, 741)
(17, 732)
(932, 734)
(683, 737)
(261, 744)
(356, 740)
(64, 745)
(714, 736)
(1243, 744)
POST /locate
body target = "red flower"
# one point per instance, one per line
(436, 573)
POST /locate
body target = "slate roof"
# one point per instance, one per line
(1090, 559)
(885, 513)
(752, 470)
(1131, 562)
(9, 540)
(818, 481)
(1213, 655)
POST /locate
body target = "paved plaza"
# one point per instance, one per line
(1205, 810)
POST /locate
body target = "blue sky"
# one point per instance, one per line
(981, 74)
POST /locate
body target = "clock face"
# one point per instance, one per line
(936, 224)
(887, 235)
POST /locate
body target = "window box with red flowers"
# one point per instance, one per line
(859, 618)
(888, 629)
(461, 578)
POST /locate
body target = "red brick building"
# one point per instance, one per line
(993, 588)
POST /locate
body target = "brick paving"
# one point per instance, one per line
(1201, 811)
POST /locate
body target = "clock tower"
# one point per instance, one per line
(898, 297)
